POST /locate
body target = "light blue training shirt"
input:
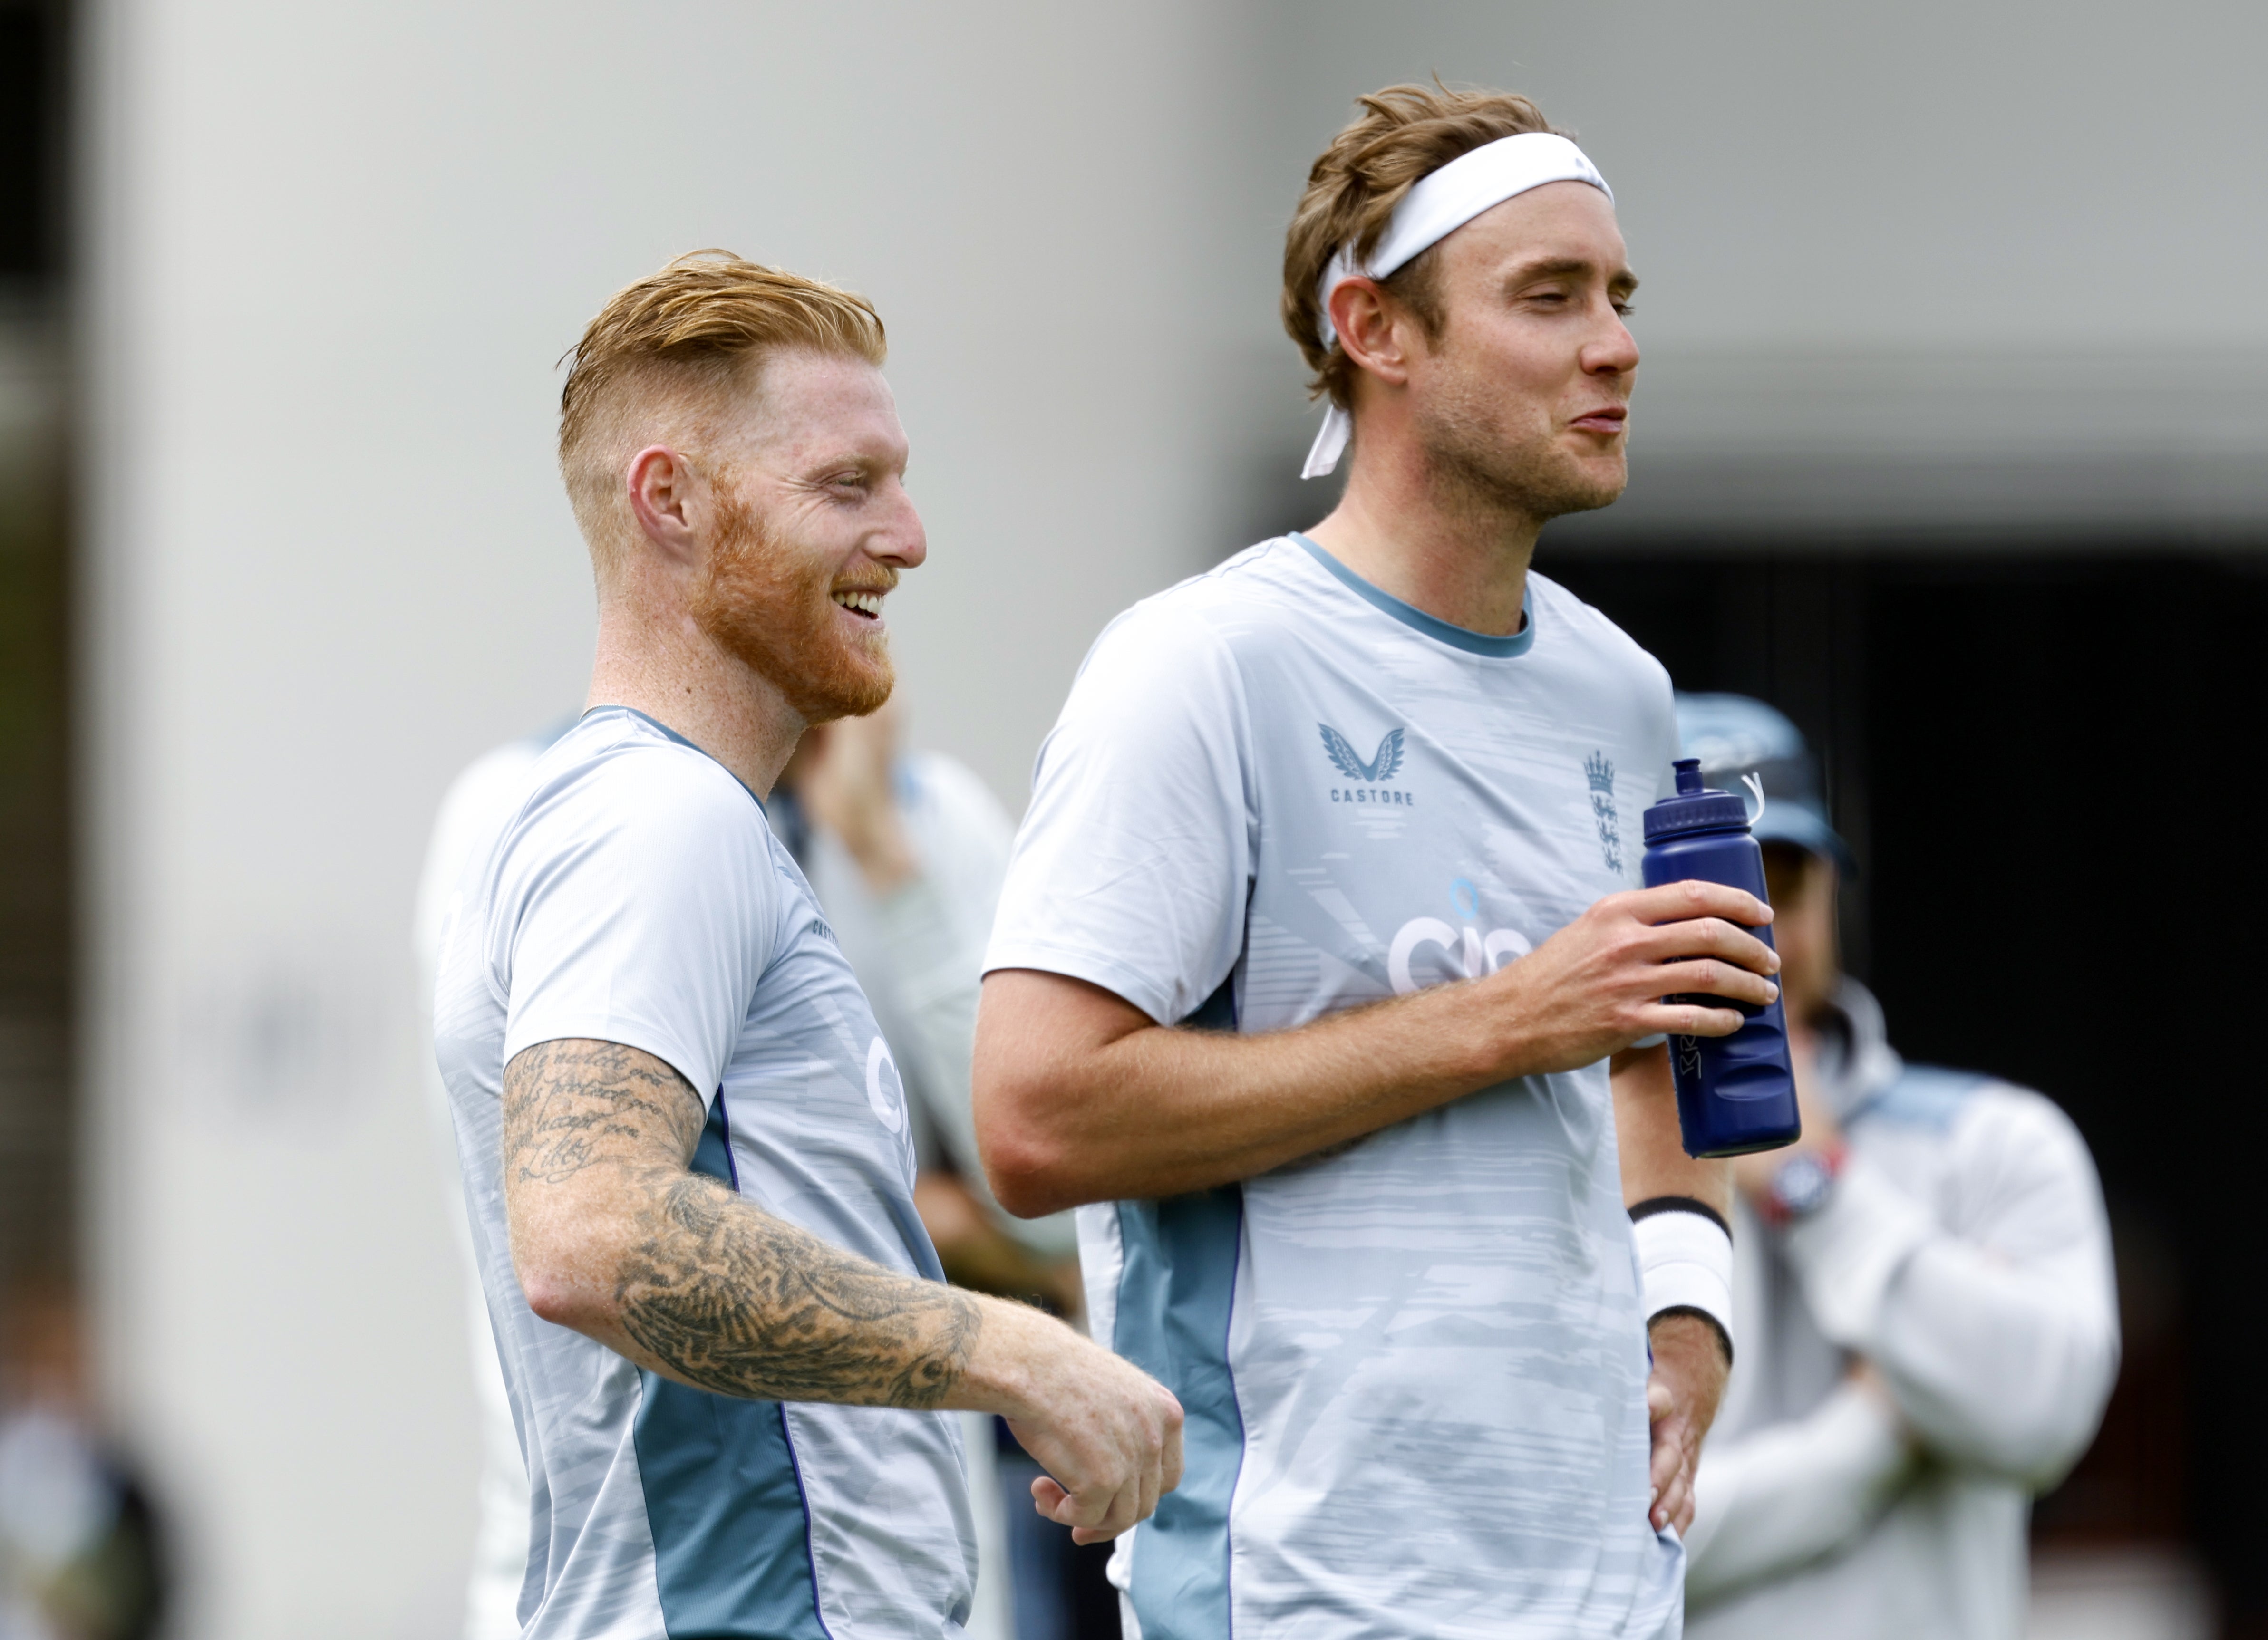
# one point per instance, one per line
(1414, 1368)
(637, 896)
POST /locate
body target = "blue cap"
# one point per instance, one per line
(1732, 736)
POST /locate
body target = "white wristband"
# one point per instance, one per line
(1684, 1263)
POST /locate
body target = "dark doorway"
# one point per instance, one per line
(2044, 763)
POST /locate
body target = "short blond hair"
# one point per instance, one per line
(691, 331)
(1403, 135)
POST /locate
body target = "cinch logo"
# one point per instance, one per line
(1349, 762)
(1466, 953)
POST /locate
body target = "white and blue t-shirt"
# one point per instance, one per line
(637, 896)
(1414, 1368)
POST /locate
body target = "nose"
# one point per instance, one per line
(1614, 350)
(901, 540)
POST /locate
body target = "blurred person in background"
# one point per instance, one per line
(684, 1144)
(1357, 1184)
(80, 1555)
(480, 803)
(1922, 1297)
(905, 852)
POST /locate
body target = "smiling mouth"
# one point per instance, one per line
(864, 602)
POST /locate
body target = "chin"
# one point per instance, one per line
(1587, 486)
(850, 683)
(869, 695)
(1535, 476)
(1603, 494)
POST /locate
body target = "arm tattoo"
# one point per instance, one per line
(572, 1105)
(707, 1286)
(736, 1301)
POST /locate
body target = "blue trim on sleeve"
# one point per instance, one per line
(1432, 626)
(724, 1498)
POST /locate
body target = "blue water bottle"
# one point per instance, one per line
(1735, 1093)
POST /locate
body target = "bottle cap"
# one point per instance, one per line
(1696, 807)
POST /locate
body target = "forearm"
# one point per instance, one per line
(977, 1254)
(1997, 1362)
(1652, 1149)
(1786, 1495)
(1155, 1111)
(2002, 1368)
(1080, 1097)
(612, 1235)
(709, 1288)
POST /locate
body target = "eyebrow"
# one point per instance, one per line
(869, 465)
(1546, 266)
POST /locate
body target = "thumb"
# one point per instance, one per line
(1659, 1402)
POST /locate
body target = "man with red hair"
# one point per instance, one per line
(728, 1344)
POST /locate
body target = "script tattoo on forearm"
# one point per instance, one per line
(715, 1290)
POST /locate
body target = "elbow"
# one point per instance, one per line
(2055, 1444)
(1027, 1166)
(1030, 1177)
(2038, 1454)
(2035, 1438)
(553, 1301)
(2067, 1427)
(555, 1294)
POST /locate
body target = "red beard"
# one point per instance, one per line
(775, 612)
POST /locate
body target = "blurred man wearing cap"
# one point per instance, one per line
(1322, 932)
(1922, 1296)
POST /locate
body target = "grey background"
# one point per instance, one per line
(1945, 267)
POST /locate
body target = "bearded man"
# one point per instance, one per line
(729, 1348)
(1362, 807)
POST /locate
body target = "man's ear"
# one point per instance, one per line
(661, 484)
(1373, 329)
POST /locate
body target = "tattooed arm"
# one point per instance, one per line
(614, 1236)
(680, 1273)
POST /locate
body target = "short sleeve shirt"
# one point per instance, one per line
(1415, 1366)
(637, 896)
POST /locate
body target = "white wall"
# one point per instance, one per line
(336, 253)
(333, 252)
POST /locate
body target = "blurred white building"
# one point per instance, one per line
(1935, 263)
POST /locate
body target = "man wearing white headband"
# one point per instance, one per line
(1322, 931)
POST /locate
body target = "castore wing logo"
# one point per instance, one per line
(1349, 762)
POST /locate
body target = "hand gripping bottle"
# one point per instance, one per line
(1735, 1093)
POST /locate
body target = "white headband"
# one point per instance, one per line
(1436, 208)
